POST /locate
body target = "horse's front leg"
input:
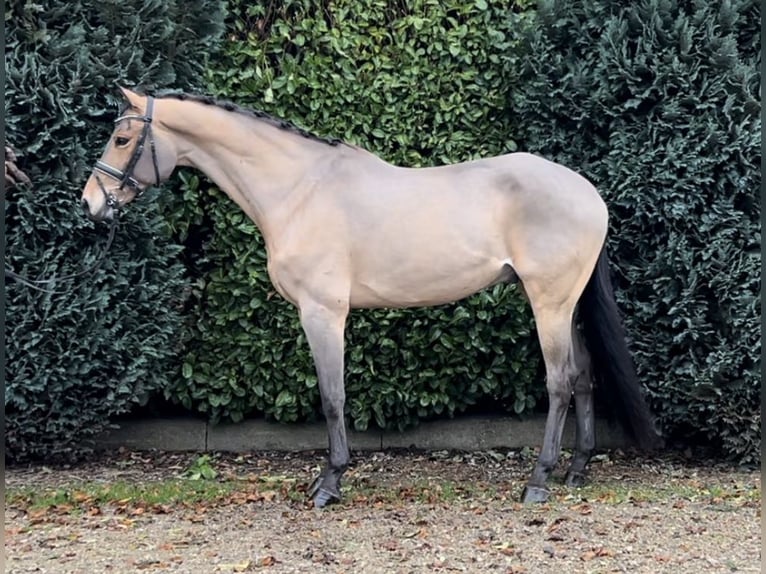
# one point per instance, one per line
(324, 328)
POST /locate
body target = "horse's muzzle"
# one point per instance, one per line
(104, 215)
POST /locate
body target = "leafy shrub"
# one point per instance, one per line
(418, 84)
(658, 103)
(98, 345)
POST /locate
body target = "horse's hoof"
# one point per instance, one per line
(534, 494)
(322, 497)
(314, 486)
(575, 479)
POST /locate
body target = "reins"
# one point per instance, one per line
(35, 283)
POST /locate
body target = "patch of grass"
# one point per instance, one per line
(433, 491)
(167, 492)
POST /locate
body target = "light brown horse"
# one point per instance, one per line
(344, 229)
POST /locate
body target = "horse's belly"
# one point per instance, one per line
(408, 286)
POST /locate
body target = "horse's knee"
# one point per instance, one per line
(333, 412)
(333, 405)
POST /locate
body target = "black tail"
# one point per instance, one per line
(612, 364)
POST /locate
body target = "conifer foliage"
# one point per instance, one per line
(101, 343)
(657, 102)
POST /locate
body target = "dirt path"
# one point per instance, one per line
(406, 512)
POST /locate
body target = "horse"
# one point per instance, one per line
(344, 229)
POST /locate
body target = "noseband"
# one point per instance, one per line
(125, 177)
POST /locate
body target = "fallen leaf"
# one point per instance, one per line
(602, 552)
(126, 523)
(81, 497)
(505, 548)
(269, 495)
(38, 516)
(596, 553)
(245, 566)
(267, 561)
(557, 523)
(583, 508)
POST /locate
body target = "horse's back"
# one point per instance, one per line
(432, 235)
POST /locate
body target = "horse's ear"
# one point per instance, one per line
(130, 96)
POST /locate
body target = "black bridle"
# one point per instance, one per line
(126, 179)
(125, 176)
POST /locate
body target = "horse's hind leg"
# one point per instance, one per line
(583, 395)
(554, 328)
(324, 327)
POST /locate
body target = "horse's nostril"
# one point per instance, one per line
(84, 205)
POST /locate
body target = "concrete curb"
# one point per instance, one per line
(464, 433)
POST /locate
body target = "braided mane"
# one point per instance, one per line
(257, 114)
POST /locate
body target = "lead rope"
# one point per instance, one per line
(33, 283)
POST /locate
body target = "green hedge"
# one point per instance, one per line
(658, 103)
(99, 345)
(421, 84)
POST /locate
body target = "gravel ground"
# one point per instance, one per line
(403, 512)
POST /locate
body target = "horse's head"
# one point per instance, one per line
(137, 155)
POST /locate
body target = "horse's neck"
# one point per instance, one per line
(255, 163)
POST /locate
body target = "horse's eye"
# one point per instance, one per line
(121, 141)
